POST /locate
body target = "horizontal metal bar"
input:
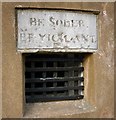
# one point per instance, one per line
(54, 59)
(60, 79)
(54, 89)
(30, 99)
(54, 69)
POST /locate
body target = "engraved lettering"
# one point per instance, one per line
(30, 36)
(42, 36)
(22, 36)
(60, 36)
(81, 23)
(48, 37)
(93, 39)
(36, 22)
(85, 37)
(74, 23)
(77, 38)
(66, 38)
(52, 21)
(40, 22)
(59, 22)
(33, 21)
(44, 30)
(53, 38)
(66, 23)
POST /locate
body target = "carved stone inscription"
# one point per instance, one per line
(56, 30)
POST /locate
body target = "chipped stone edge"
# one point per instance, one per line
(84, 107)
(55, 50)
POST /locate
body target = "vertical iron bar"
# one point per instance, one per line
(66, 75)
(71, 74)
(80, 83)
(55, 76)
(32, 76)
(69, 94)
(44, 76)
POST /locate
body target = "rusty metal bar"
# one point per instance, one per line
(55, 69)
(41, 80)
(45, 99)
(52, 77)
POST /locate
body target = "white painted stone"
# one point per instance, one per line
(56, 30)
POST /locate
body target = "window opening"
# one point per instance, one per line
(53, 77)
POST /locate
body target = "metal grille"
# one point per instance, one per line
(51, 77)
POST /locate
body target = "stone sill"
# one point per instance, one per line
(57, 109)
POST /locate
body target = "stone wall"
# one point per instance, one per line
(101, 90)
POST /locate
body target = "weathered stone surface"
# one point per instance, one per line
(56, 30)
(99, 67)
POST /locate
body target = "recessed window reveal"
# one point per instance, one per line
(54, 77)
